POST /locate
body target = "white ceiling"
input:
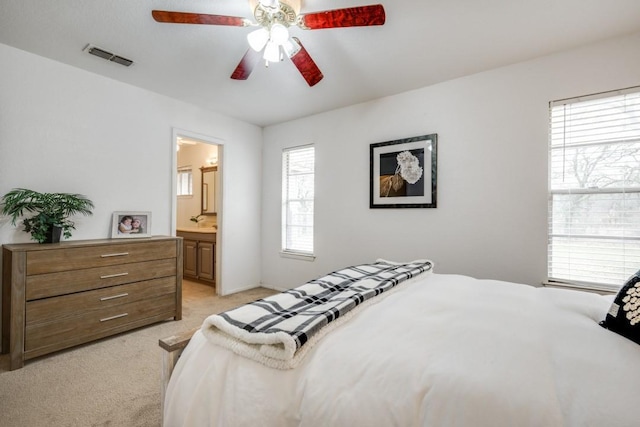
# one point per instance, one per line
(422, 42)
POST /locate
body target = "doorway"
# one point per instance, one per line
(197, 205)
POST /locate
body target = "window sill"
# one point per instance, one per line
(602, 289)
(297, 255)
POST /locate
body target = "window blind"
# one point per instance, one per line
(298, 197)
(185, 181)
(594, 189)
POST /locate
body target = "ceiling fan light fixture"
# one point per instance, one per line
(279, 34)
(291, 47)
(272, 52)
(269, 3)
(258, 39)
(293, 4)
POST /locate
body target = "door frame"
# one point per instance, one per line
(205, 139)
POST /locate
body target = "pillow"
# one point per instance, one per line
(624, 315)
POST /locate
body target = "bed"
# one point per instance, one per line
(435, 350)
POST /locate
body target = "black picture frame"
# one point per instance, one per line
(403, 173)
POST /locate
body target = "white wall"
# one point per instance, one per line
(491, 219)
(66, 130)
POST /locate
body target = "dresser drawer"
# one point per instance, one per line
(66, 282)
(52, 309)
(41, 338)
(65, 259)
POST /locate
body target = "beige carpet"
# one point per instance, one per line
(112, 382)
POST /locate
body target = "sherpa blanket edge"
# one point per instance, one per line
(278, 331)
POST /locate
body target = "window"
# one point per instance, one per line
(185, 181)
(297, 200)
(594, 189)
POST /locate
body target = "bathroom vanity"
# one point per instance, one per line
(199, 251)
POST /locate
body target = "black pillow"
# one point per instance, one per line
(624, 314)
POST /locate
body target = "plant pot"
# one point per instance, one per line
(53, 234)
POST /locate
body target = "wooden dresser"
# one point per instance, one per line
(59, 295)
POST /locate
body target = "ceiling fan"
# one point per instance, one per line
(272, 41)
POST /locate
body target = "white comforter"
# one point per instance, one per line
(445, 350)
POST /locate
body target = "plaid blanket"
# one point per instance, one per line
(278, 330)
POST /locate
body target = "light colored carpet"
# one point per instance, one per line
(112, 382)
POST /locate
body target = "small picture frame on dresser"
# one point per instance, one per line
(130, 224)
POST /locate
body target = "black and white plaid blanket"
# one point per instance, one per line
(274, 330)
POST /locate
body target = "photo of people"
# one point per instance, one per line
(131, 224)
(137, 226)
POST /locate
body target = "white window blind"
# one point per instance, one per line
(594, 189)
(298, 165)
(185, 181)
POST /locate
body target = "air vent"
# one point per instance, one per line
(122, 61)
(93, 50)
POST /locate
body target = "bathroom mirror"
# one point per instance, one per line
(209, 175)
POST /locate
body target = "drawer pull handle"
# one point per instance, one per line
(114, 317)
(114, 297)
(108, 276)
(118, 254)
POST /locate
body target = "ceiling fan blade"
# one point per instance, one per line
(198, 18)
(306, 66)
(246, 65)
(360, 16)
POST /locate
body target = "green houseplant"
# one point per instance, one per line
(52, 211)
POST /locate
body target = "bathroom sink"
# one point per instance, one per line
(198, 229)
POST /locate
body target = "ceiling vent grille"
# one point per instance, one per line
(93, 50)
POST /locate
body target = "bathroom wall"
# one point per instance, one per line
(194, 156)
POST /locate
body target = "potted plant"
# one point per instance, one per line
(52, 211)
